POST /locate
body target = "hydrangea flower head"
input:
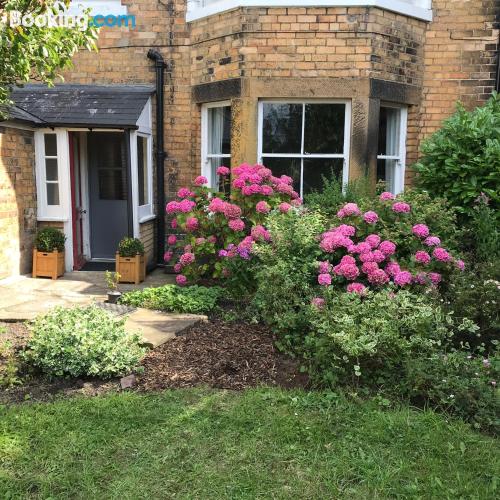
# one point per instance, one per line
(232, 211)
(441, 254)
(260, 233)
(239, 183)
(432, 241)
(346, 230)
(435, 278)
(349, 271)
(172, 207)
(348, 209)
(420, 230)
(192, 224)
(378, 277)
(358, 288)
(236, 224)
(184, 193)
(267, 190)
(385, 196)
(167, 256)
(263, 207)
(403, 278)
(200, 180)
(369, 267)
(370, 217)
(318, 302)
(180, 279)
(222, 171)
(284, 207)
(173, 224)
(186, 205)
(172, 239)
(387, 247)
(373, 240)
(324, 267)
(186, 259)
(401, 207)
(422, 257)
(460, 264)
(392, 268)
(324, 279)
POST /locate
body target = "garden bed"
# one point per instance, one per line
(214, 354)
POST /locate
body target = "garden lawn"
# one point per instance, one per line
(259, 443)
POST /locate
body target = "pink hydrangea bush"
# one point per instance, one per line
(220, 229)
(358, 256)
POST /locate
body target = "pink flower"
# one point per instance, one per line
(366, 257)
(222, 171)
(370, 217)
(387, 247)
(403, 278)
(186, 259)
(318, 302)
(200, 180)
(192, 224)
(263, 207)
(264, 172)
(392, 268)
(173, 224)
(260, 233)
(284, 207)
(297, 202)
(172, 207)
(177, 267)
(267, 190)
(346, 230)
(435, 278)
(460, 264)
(420, 230)
(373, 240)
(378, 277)
(199, 241)
(236, 224)
(362, 248)
(216, 205)
(286, 179)
(378, 256)
(332, 241)
(385, 196)
(369, 267)
(348, 209)
(184, 193)
(324, 267)
(421, 278)
(401, 207)
(349, 271)
(432, 241)
(212, 239)
(347, 259)
(246, 243)
(181, 280)
(172, 239)
(239, 183)
(324, 279)
(186, 205)
(284, 188)
(441, 254)
(358, 288)
(232, 211)
(422, 257)
(167, 256)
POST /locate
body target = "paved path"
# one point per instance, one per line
(24, 298)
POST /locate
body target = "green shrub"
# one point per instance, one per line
(334, 194)
(462, 159)
(286, 275)
(49, 239)
(484, 230)
(83, 341)
(130, 247)
(9, 365)
(366, 340)
(459, 383)
(192, 299)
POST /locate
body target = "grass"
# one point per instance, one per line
(262, 443)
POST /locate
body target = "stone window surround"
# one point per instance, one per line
(419, 9)
(366, 96)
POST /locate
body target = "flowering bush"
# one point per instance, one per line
(358, 255)
(221, 229)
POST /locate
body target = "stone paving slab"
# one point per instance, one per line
(158, 327)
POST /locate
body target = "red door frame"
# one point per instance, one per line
(76, 216)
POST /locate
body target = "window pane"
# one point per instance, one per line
(51, 169)
(324, 129)
(50, 144)
(112, 185)
(221, 183)
(386, 170)
(282, 128)
(219, 130)
(317, 168)
(389, 131)
(52, 193)
(142, 169)
(285, 166)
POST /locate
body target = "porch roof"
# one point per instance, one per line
(89, 106)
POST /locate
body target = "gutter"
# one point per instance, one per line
(160, 67)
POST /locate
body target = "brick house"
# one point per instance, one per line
(306, 87)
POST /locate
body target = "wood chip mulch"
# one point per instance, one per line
(220, 355)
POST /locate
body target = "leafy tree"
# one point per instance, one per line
(36, 53)
(461, 161)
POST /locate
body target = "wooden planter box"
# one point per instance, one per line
(131, 269)
(48, 264)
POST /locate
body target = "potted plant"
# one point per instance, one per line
(112, 280)
(130, 262)
(48, 253)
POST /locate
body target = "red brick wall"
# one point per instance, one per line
(17, 201)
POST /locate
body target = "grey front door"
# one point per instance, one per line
(108, 192)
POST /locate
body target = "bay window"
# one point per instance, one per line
(216, 140)
(391, 152)
(305, 140)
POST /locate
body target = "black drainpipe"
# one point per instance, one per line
(160, 67)
(497, 83)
